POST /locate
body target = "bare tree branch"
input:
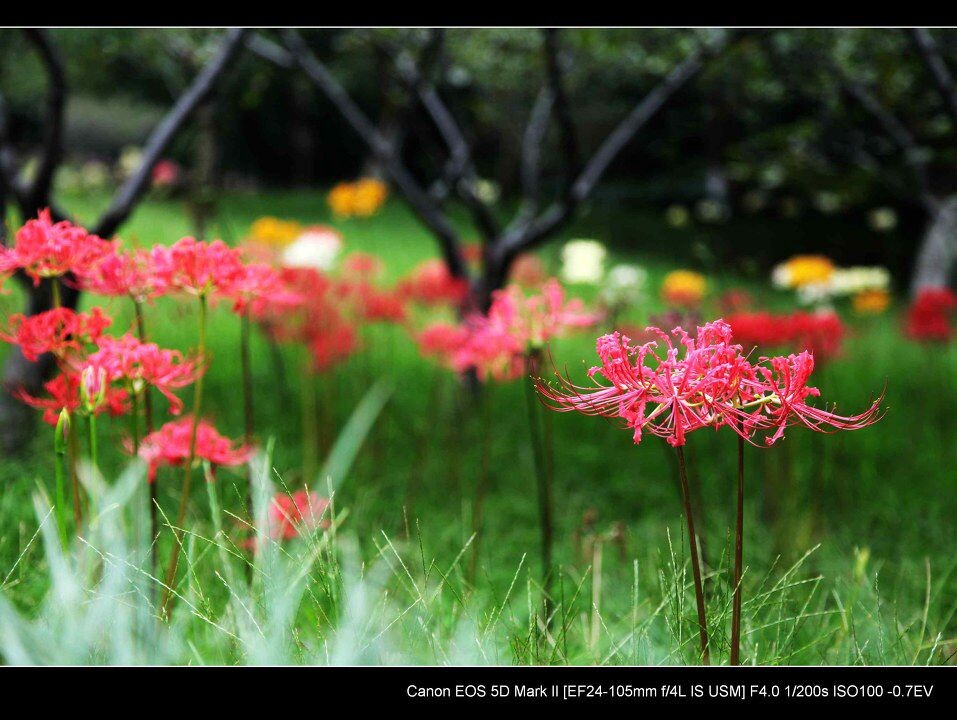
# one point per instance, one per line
(134, 187)
(459, 171)
(38, 194)
(532, 140)
(555, 63)
(559, 212)
(930, 54)
(422, 204)
(897, 132)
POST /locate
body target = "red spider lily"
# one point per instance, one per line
(165, 173)
(735, 301)
(517, 324)
(363, 265)
(331, 345)
(821, 333)
(170, 445)
(528, 271)
(443, 342)
(64, 392)
(432, 284)
(779, 399)
(56, 331)
(128, 274)
(44, 249)
(145, 364)
(377, 305)
(259, 283)
(929, 317)
(197, 267)
(291, 515)
(712, 384)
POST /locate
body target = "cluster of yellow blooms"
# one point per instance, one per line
(802, 270)
(361, 198)
(871, 302)
(273, 231)
(684, 288)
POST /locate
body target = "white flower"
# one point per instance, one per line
(316, 248)
(781, 276)
(852, 280)
(624, 285)
(814, 293)
(583, 261)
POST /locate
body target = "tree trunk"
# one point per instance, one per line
(935, 256)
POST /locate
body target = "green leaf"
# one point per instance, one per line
(347, 444)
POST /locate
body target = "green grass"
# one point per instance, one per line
(848, 540)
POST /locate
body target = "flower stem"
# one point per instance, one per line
(245, 359)
(55, 293)
(738, 558)
(59, 448)
(94, 456)
(148, 425)
(543, 478)
(188, 468)
(310, 425)
(695, 564)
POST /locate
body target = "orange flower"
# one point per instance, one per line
(802, 270)
(871, 302)
(273, 231)
(362, 198)
(684, 288)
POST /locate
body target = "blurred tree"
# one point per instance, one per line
(34, 191)
(418, 61)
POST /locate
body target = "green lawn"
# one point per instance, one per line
(849, 540)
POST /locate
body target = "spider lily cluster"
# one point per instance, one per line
(681, 383)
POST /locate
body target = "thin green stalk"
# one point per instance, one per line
(59, 448)
(188, 469)
(738, 559)
(75, 481)
(310, 424)
(481, 488)
(94, 456)
(55, 292)
(695, 564)
(246, 361)
(148, 425)
(543, 479)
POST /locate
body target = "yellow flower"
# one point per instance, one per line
(362, 198)
(273, 231)
(341, 199)
(802, 270)
(684, 287)
(369, 195)
(871, 302)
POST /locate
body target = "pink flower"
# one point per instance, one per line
(139, 363)
(64, 393)
(517, 325)
(197, 267)
(701, 381)
(127, 274)
(291, 515)
(432, 284)
(363, 265)
(44, 249)
(165, 173)
(257, 285)
(56, 331)
(170, 445)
